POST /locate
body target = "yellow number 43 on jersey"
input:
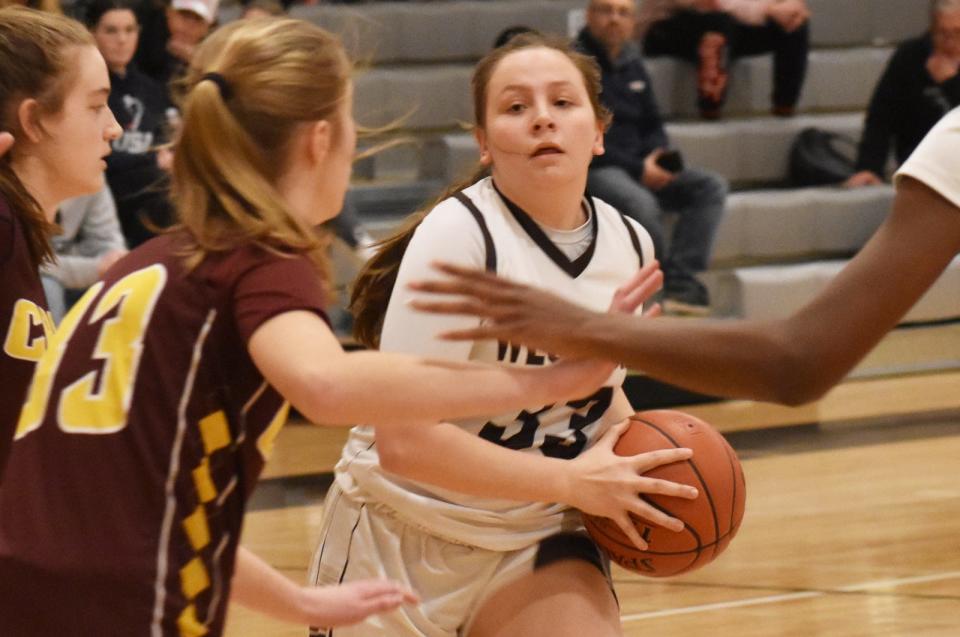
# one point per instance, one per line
(82, 406)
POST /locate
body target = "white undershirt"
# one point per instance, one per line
(572, 243)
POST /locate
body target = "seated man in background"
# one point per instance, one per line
(171, 33)
(90, 243)
(919, 86)
(635, 174)
(711, 33)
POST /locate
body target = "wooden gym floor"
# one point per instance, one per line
(852, 524)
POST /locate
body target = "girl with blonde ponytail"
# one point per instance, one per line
(151, 414)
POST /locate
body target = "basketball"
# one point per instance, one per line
(712, 519)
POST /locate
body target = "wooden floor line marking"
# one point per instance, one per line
(789, 597)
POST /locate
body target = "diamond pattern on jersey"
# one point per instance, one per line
(194, 578)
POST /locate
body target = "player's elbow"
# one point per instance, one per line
(396, 454)
(321, 399)
(796, 379)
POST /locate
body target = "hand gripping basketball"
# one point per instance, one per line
(606, 483)
(711, 519)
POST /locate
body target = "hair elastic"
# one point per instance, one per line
(225, 91)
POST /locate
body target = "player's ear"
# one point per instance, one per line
(598, 148)
(481, 137)
(28, 114)
(319, 140)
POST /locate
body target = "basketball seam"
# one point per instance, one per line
(693, 465)
(699, 548)
(733, 500)
(663, 509)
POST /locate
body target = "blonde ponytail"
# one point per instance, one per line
(251, 84)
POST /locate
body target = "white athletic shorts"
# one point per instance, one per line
(359, 541)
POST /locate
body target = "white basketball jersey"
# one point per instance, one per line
(496, 235)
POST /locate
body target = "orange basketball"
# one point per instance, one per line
(712, 519)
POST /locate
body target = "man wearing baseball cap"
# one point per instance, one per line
(170, 35)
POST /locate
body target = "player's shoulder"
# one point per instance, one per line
(223, 268)
(606, 212)
(265, 261)
(463, 211)
(630, 230)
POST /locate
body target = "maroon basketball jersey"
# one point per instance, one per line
(142, 435)
(25, 323)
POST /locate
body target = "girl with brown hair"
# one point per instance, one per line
(479, 516)
(54, 89)
(151, 415)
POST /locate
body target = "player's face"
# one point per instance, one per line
(334, 178)
(540, 125)
(116, 35)
(75, 142)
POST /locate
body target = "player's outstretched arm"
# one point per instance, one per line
(260, 587)
(791, 361)
(519, 313)
(299, 355)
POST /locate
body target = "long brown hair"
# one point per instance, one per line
(374, 285)
(35, 63)
(272, 76)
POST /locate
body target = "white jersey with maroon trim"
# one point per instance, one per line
(614, 247)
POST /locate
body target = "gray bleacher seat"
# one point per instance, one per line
(449, 157)
(438, 95)
(776, 291)
(858, 22)
(840, 79)
(897, 20)
(842, 23)
(385, 32)
(785, 225)
(744, 150)
(430, 97)
(755, 149)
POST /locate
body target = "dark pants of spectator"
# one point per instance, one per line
(696, 196)
(680, 36)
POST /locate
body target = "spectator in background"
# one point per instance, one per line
(90, 242)
(919, 86)
(629, 177)
(171, 33)
(142, 107)
(711, 33)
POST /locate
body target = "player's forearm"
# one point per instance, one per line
(735, 359)
(258, 586)
(385, 389)
(445, 455)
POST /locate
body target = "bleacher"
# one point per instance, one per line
(776, 245)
